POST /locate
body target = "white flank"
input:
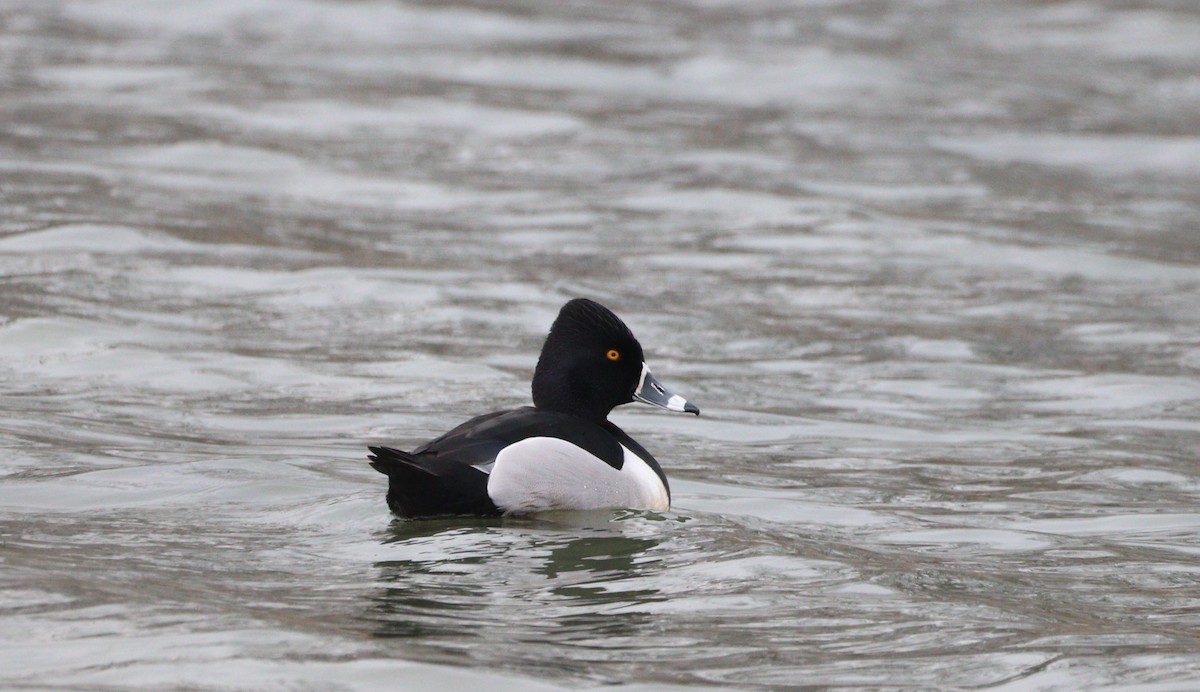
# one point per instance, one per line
(540, 474)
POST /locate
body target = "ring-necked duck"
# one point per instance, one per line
(562, 453)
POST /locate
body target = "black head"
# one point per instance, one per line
(590, 363)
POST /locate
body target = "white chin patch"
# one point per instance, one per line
(540, 474)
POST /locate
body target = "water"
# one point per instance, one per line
(930, 269)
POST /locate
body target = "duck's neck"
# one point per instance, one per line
(550, 394)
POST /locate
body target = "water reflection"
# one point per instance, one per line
(565, 578)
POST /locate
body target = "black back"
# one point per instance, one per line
(480, 439)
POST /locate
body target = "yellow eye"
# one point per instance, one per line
(613, 354)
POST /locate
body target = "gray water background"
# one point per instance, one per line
(931, 269)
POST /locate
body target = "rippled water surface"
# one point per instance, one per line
(930, 269)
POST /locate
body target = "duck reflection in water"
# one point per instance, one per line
(578, 575)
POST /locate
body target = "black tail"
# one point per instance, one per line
(425, 486)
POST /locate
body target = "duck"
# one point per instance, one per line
(561, 453)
